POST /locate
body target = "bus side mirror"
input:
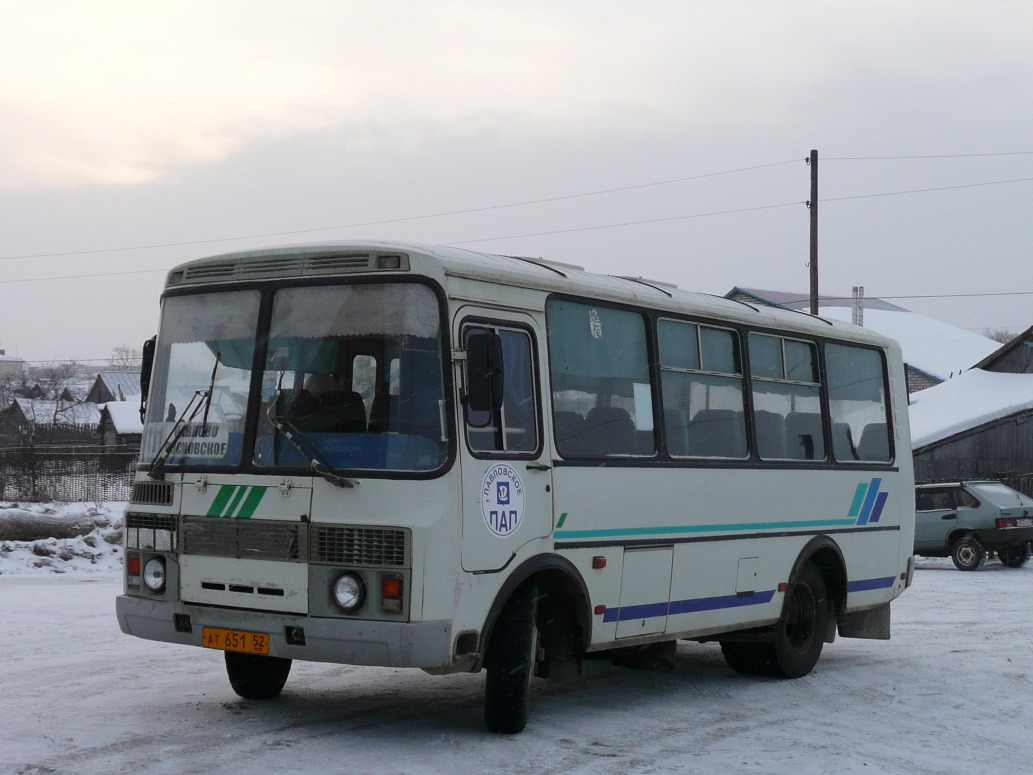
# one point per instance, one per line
(483, 373)
(145, 373)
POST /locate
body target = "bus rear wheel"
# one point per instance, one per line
(510, 661)
(797, 638)
(800, 633)
(255, 677)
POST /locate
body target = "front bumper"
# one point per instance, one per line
(343, 641)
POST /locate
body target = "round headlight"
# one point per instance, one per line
(349, 592)
(154, 574)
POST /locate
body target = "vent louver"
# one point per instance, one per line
(358, 546)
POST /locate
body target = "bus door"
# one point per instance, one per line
(506, 469)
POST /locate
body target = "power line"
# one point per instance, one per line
(627, 223)
(407, 218)
(934, 156)
(927, 190)
(82, 276)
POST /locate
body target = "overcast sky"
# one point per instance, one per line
(135, 136)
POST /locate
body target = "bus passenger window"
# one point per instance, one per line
(602, 395)
(857, 402)
(701, 385)
(786, 398)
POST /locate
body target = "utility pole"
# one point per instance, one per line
(812, 205)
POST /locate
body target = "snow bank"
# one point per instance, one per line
(60, 537)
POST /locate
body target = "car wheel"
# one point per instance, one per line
(967, 553)
(1014, 556)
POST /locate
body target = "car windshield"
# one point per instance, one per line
(1001, 495)
(351, 379)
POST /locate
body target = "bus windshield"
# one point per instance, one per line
(351, 379)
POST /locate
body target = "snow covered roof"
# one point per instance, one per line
(125, 415)
(120, 384)
(931, 346)
(59, 412)
(969, 400)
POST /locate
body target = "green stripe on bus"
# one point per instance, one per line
(221, 499)
(682, 529)
(238, 496)
(563, 518)
(247, 509)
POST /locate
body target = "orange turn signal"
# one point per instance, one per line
(391, 587)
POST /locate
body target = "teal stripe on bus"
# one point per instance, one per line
(739, 527)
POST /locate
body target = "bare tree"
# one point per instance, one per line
(1002, 335)
(62, 389)
(125, 358)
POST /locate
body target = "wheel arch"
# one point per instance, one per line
(828, 558)
(557, 580)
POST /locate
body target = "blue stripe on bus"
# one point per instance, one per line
(869, 501)
(880, 502)
(682, 529)
(675, 607)
(866, 584)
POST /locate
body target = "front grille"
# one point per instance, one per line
(150, 521)
(358, 546)
(250, 539)
(150, 531)
(152, 493)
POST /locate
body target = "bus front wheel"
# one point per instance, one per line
(255, 677)
(510, 661)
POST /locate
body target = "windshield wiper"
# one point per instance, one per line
(200, 400)
(203, 399)
(300, 442)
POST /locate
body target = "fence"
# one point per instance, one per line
(1021, 482)
(67, 473)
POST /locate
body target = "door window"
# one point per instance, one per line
(510, 423)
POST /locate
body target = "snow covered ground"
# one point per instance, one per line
(950, 693)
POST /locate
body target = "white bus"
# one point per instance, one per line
(387, 454)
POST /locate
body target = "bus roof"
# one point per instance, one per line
(322, 259)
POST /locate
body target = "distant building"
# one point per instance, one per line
(49, 422)
(979, 424)
(10, 366)
(933, 350)
(120, 423)
(114, 386)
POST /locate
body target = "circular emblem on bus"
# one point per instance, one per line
(502, 500)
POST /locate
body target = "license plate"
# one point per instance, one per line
(235, 640)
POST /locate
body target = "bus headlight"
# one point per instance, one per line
(349, 592)
(154, 574)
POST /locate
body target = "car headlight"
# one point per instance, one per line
(154, 574)
(349, 592)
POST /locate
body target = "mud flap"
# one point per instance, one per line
(873, 624)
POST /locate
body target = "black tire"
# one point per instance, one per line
(256, 677)
(800, 633)
(510, 661)
(967, 553)
(748, 658)
(1014, 556)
